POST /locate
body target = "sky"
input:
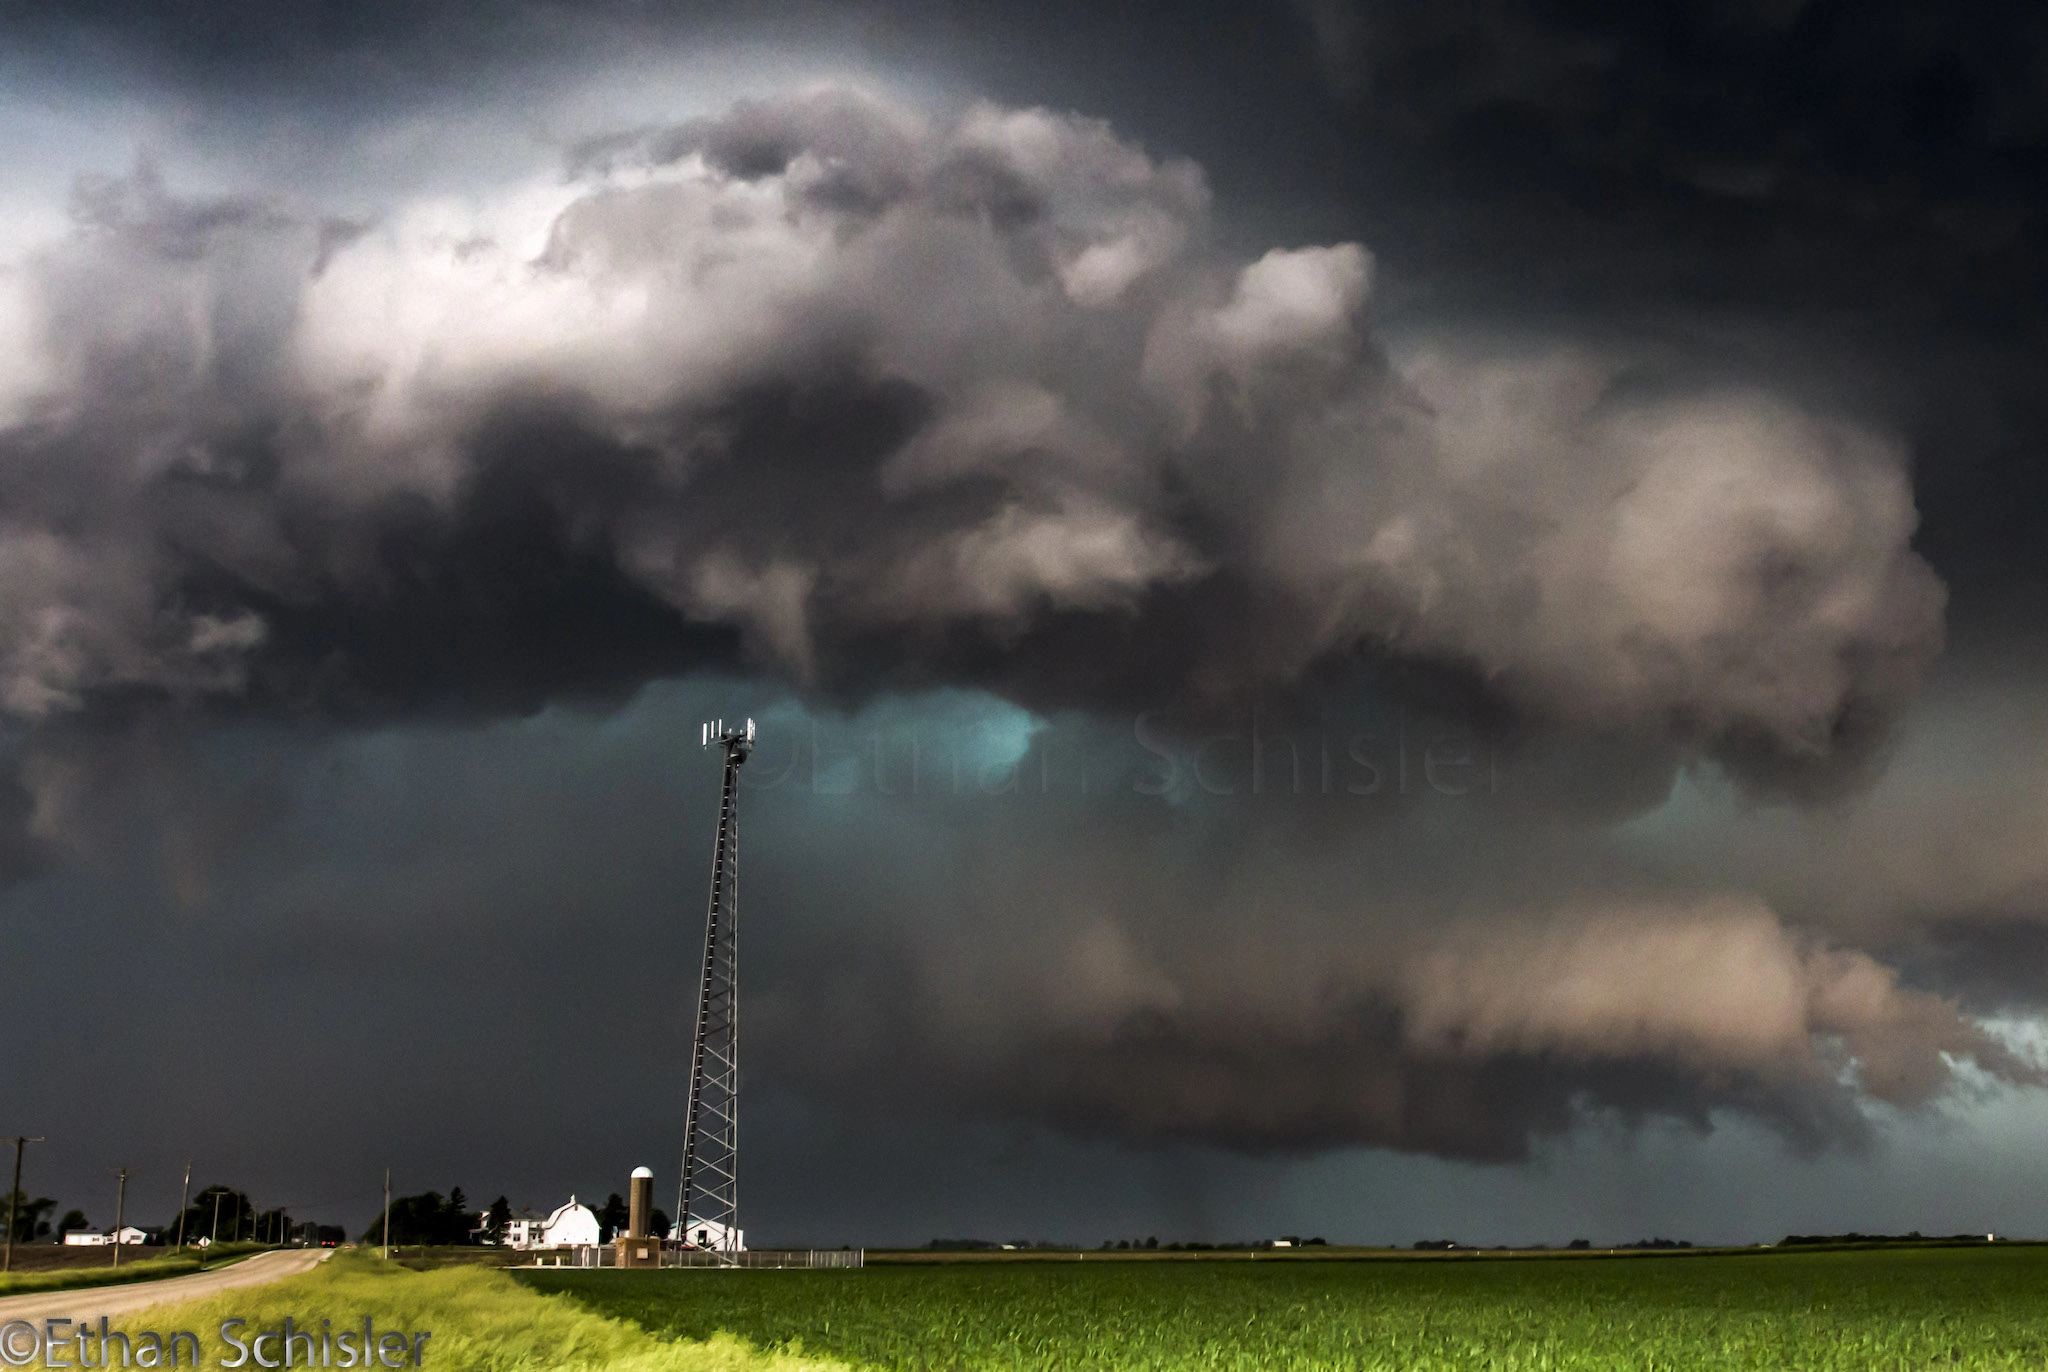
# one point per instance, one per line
(1384, 621)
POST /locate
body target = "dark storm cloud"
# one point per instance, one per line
(1850, 196)
(1828, 140)
(982, 944)
(22, 852)
(971, 396)
(869, 399)
(1841, 199)
(1817, 101)
(1463, 972)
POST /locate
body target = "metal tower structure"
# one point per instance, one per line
(707, 1199)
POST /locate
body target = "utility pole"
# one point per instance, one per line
(19, 1141)
(184, 1201)
(120, 1210)
(387, 1214)
(218, 1193)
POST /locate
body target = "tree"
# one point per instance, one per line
(613, 1218)
(495, 1220)
(236, 1216)
(426, 1219)
(73, 1219)
(29, 1221)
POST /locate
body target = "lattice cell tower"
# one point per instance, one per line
(707, 1201)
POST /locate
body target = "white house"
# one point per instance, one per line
(570, 1226)
(710, 1234)
(92, 1238)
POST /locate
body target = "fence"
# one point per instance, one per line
(765, 1257)
(604, 1255)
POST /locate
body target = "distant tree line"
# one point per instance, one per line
(221, 1214)
(428, 1218)
(432, 1219)
(217, 1213)
(1794, 1240)
(31, 1217)
(1144, 1245)
(1576, 1246)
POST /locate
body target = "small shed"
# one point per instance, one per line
(711, 1236)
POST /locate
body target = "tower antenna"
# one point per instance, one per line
(707, 1198)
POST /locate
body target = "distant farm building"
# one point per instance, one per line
(570, 1226)
(710, 1234)
(94, 1238)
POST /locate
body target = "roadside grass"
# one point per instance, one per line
(132, 1270)
(480, 1320)
(424, 1258)
(1822, 1312)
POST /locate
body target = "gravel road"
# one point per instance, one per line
(93, 1302)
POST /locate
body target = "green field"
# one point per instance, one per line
(1897, 1308)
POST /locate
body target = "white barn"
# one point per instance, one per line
(570, 1226)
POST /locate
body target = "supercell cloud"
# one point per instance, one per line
(900, 399)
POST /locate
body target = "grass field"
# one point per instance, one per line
(480, 1320)
(1899, 1308)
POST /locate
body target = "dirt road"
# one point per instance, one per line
(95, 1301)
